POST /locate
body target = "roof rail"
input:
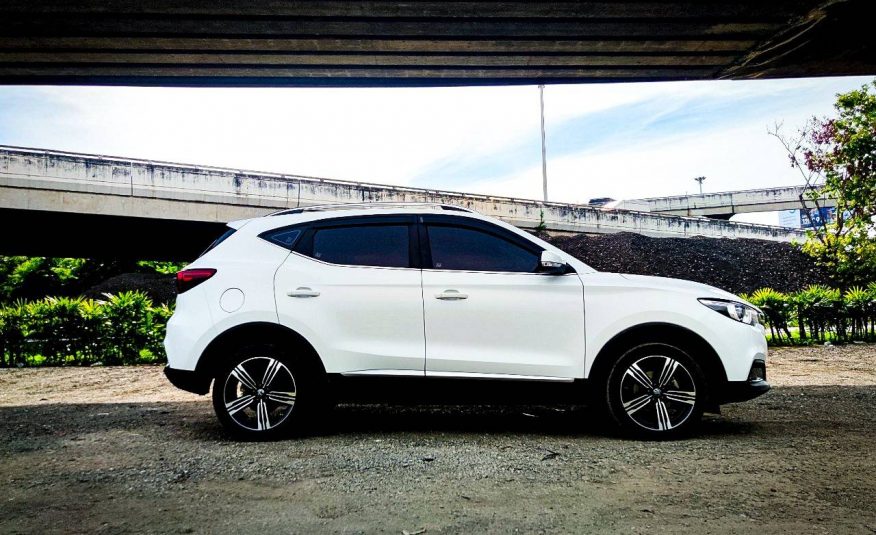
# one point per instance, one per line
(367, 205)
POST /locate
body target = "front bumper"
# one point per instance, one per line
(756, 385)
(736, 391)
(190, 381)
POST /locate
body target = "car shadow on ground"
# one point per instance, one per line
(786, 412)
(24, 428)
(568, 421)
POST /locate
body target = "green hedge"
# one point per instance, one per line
(819, 314)
(125, 328)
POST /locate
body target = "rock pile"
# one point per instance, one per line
(735, 265)
(161, 288)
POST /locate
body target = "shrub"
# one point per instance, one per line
(93, 337)
(128, 319)
(814, 305)
(820, 313)
(58, 331)
(857, 304)
(778, 309)
(14, 333)
(155, 337)
(54, 327)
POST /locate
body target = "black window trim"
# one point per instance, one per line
(474, 224)
(419, 248)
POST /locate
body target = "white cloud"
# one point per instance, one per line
(365, 134)
(732, 153)
(740, 158)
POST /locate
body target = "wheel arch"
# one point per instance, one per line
(254, 332)
(668, 333)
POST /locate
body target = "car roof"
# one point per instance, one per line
(306, 214)
(373, 206)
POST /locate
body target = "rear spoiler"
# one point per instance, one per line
(237, 224)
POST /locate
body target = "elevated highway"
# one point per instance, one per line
(77, 204)
(726, 204)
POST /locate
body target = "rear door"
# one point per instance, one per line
(489, 312)
(354, 286)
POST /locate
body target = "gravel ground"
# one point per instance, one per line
(118, 450)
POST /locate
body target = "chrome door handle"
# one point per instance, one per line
(302, 292)
(451, 295)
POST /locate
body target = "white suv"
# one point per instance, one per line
(288, 313)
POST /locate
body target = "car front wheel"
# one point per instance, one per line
(656, 391)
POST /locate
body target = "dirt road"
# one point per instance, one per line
(118, 450)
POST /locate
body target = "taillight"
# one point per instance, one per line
(189, 278)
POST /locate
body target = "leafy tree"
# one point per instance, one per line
(837, 158)
(23, 277)
(67, 269)
(36, 276)
(20, 273)
(165, 268)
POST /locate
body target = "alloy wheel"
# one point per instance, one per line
(658, 393)
(259, 393)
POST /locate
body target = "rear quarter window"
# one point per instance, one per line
(284, 237)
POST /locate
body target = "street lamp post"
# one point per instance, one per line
(543, 151)
(700, 179)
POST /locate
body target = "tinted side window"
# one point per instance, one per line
(473, 250)
(365, 245)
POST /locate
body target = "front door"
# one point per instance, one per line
(489, 313)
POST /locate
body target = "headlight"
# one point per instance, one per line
(734, 310)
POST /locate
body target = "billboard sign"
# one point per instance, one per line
(817, 218)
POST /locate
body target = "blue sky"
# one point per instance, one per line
(615, 140)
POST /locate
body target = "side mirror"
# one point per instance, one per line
(552, 264)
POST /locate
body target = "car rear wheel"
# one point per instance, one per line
(261, 393)
(656, 391)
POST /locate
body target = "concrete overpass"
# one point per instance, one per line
(386, 43)
(726, 204)
(58, 203)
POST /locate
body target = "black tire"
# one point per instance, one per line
(664, 401)
(263, 393)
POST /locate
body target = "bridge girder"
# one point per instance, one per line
(386, 43)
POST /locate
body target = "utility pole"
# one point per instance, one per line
(543, 150)
(700, 179)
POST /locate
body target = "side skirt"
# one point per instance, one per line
(454, 391)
